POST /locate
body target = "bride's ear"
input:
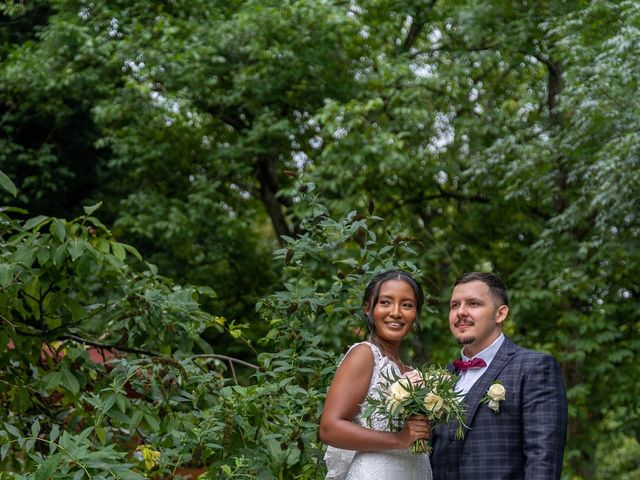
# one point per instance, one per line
(368, 321)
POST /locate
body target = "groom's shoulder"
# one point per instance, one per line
(527, 355)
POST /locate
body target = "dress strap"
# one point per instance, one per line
(377, 353)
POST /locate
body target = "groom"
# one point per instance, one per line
(517, 430)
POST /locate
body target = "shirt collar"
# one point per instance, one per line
(488, 353)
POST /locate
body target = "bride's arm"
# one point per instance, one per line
(346, 393)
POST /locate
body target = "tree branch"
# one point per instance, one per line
(225, 357)
(85, 341)
(106, 346)
(443, 194)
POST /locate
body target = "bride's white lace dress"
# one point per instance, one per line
(382, 465)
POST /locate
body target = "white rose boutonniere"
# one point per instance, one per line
(495, 395)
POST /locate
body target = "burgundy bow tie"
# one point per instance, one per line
(463, 366)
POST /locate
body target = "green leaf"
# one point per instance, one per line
(12, 430)
(97, 223)
(102, 244)
(226, 470)
(293, 456)
(46, 469)
(51, 380)
(7, 184)
(59, 253)
(21, 211)
(109, 402)
(118, 251)
(25, 255)
(132, 250)
(121, 402)
(28, 445)
(35, 428)
(101, 433)
(88, 210)
(76, 248)
(69, 381)
(135, 420)
(58, 229)
(35, 222)
(3, 450)
(76, 309)
(84, 435)
(6, 275)
(55, 431)
(152, 422)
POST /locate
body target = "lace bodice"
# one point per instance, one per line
(383, 366)
(387, 465)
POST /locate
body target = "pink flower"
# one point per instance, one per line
(414, 377)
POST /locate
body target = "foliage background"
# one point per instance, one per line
(246, 166)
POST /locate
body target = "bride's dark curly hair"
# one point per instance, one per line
(372, 294)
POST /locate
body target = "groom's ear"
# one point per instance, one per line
(502, 313)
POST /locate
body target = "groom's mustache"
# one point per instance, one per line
(460, 321)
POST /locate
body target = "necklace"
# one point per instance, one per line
(403, 368)
(395, 359)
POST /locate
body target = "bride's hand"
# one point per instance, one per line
(417, 427)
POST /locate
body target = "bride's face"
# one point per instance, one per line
(395, 311)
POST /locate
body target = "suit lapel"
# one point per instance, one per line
(472, 399)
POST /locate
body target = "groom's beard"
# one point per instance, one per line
(466, 340)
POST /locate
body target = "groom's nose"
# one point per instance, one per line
(462, 310)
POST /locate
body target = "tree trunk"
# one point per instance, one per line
(266, 175)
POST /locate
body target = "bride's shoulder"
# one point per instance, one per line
(365, 350)
(360, 348)
(361, 352)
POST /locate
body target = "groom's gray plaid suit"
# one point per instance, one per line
(525, 440)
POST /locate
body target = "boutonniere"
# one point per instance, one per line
(495, 395)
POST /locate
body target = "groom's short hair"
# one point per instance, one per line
(496, 286)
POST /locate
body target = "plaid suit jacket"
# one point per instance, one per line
(525, 440)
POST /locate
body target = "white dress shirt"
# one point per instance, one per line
(471, 376)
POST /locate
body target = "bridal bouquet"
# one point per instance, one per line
(429, 391)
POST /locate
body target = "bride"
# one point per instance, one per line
(392, 303)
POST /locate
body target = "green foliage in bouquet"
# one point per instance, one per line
(429, 391)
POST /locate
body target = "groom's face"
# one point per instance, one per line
(475, 318)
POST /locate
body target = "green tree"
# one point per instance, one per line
(486, 135)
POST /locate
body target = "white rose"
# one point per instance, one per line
(400, 390)
(494, 405)
(433, 402)
(497, 392)
(393, 406)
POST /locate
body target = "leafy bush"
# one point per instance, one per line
(105, 374)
